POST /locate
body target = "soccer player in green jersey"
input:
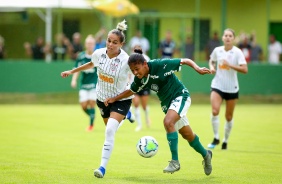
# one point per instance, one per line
(87, 91)
(175, 101)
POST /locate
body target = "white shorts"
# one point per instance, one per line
(85, 95)
(181, 108)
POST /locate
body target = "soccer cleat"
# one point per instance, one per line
(224, 146)
(90, 128)
(172, 167)
(207, 163)
(213, 144)
(130, 117)
(99, 173)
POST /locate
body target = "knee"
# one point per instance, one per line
(228, 117)
(215, 112)
(168, 124)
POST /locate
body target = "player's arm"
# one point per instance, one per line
(74, 80)
(124, 94)
(78, 69)
(243, 68)
(212, 66)
(192, 64)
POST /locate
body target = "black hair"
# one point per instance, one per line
(137, 57)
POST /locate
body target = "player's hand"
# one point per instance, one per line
(109, 100)
(213, 71)
(66, 74)
(203, 70)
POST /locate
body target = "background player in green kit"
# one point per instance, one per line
(175, 101)
(87, 92)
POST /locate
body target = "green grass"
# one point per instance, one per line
(48, 144)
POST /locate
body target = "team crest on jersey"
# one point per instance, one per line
(103, 56)
(155, 87)
(115, 64)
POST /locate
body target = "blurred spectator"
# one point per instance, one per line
(76, 45)
(256, 50)
(61, 48)
(188, 48)
(245, 46)
(274, 50)
(2, 48)
(139, 39)
(100, 40)
(36, 51)
(167, 47)
(212, 44)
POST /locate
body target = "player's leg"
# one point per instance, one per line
(144, 103)
(115, 115)
(136, 102)
(230, 106)
(182, 125)
(216, 101)
(172, 138)
(91, 103)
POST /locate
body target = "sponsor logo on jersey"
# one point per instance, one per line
(90, 70)
(106, 78)
(154, 76)
(170, 72)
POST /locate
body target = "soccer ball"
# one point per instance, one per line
(147, 146)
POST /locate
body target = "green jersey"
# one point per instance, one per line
(88, 77)
(161, 79)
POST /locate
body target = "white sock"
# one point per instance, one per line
(228, 127)
(111, 128)
(147, 116)
(215, 125)
(138, 116)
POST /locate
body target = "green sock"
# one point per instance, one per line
(172, 139)
(198, 146)
(92, 115)
(86, 111)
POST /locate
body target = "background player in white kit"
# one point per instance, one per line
(225, 86)
(140, 97)
(88, 81)
(113, 72)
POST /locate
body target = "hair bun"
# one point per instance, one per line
(139, 51)
(122, 26)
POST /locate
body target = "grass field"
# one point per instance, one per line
(48, 144)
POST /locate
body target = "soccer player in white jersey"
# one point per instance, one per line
(88, 81)
(158, 75)
(225, 86)
(113, 72)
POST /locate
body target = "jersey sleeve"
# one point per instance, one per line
(136, 85)
(213, 55)
(94, 58)
(170, 64)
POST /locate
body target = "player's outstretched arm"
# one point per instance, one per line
(192, 64)
(82, 67)
(124, 94)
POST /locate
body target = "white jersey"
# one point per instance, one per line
(225, 78)
(112, 74)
